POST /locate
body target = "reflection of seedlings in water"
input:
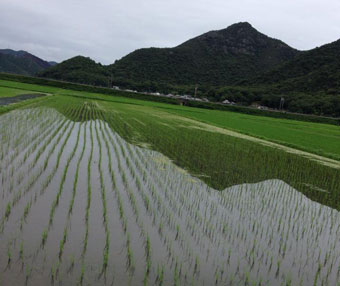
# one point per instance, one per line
(148, 260)
(177, 231)
(62, 243)
(9, 255)
(53, 274)
(82, 271)
(176, 274)
(278, 267)
(317, 275)
(28, 272)
(21, 251)
(197, 263)
(160, 275)
(71, 264)
(131, 263)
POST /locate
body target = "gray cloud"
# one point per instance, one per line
(106, 30)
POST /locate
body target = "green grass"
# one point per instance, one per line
(317, 138)
(10, 92)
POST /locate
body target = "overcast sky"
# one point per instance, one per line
(106, 30)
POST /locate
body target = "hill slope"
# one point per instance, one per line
(80, 70)
(214, 58)
(312, 71)
(21, 62)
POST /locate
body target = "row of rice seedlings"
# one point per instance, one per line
(259, 226)
(55, 203)
(103, 196)
(282, 246)
(88, 205)
(8, 142)
(13, 170)
(31, 138)
(133, 174)
(16, 198)
(124, 221)
(133, 204)
(33, 179)
(221, 224)
(133, 200)
(195, 263)
(182, 201)
(77, 168)
(157, 200)
(122, 215)
(41, 129)
(162, 216)
(50, 176)
(74, 190)
(31, 150)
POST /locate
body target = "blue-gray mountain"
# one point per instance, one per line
(22, 62)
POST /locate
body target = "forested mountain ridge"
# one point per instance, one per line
(21, 62)
(237, 63)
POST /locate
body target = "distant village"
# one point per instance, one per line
(186, 97)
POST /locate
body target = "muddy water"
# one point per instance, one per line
(156, 224)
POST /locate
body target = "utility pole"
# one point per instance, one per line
(282, 102)
(110, 81)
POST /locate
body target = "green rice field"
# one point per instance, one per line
(105, 190)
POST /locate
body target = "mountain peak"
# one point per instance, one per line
(241, 39)
(240, 25)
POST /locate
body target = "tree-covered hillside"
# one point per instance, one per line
(215, 58)
(237, 63)
(21, 62)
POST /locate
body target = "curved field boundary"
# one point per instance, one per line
(211, 128)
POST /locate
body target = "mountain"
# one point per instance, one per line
(52, 63)
(79, 69)
(215, 58)
(317, 70)
(21, 62)
(238, 64)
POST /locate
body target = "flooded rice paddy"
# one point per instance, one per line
(79, 205)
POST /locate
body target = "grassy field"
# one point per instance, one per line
(322, 139)
(317, 138)
(9, 92)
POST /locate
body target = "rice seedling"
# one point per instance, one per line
(175, 228)
(9, 255)
(8, 211)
